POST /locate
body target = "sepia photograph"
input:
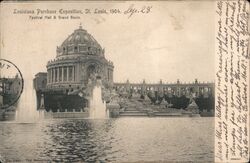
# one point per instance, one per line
(118, 81)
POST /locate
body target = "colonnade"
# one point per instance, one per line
(61, 74)
(173, 90)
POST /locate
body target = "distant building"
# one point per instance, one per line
(9, 89)
(40, 81)
(178, 94)
(194, 89)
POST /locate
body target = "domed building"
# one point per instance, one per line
(80, 59)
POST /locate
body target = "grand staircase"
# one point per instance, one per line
(133, 108)
(132, 111)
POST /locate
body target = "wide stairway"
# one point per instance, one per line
(132, 110)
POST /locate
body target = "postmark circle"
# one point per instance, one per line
(11, 84)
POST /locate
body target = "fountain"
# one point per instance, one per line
(97, 107)
(26, 110)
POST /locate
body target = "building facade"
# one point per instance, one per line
(178, 89)
(79, 61)
(179, 94)
(10, 90)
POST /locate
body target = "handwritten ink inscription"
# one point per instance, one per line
(232, 82)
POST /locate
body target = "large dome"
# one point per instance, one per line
(80, 42)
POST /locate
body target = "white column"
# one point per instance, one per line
(76, 70)
(52, 75)
(51, 79)
(57, 74)
(73, 73)
(67, 73)
(53, 71)
(48, 76)
(62, 73)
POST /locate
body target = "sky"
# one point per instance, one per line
(175, 40)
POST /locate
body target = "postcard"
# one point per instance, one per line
(124, 81)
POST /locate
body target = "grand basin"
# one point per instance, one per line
(110, 140)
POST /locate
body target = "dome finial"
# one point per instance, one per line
(80, 26)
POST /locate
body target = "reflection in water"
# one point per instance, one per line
(80, 140)
(111, 140)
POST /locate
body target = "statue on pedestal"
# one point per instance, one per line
(193, 107)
